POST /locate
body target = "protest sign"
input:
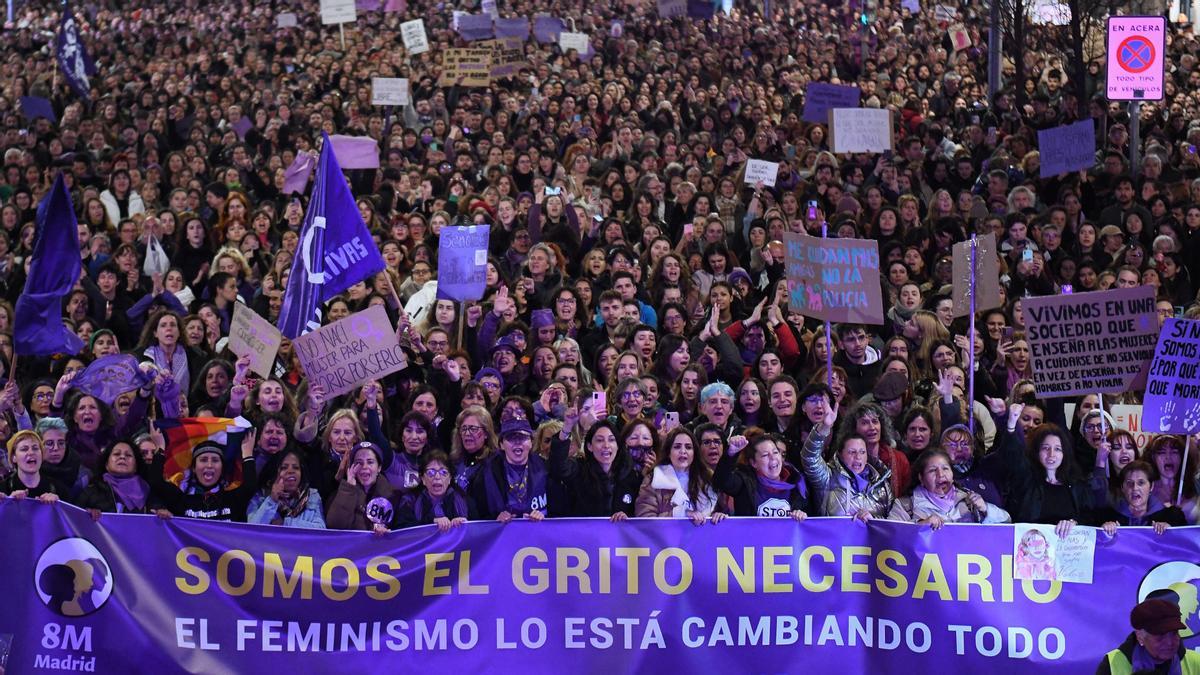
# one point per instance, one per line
(466, 66)
(987, 275)
(338, 11)
(1048, 13)
(389, 91)
(821, 97)
(33, 107)
(1172, 402)
(568, 40)
(1040, 555)
(1088, 343)
(489, 7)
(286, 20)
(761, 170)
(960, 39)
(546, 28)
(913, 6)
(834, 279)
(860, 129)
(351, 351)
(413, 34)
(508, 56)
(462, 262)
(1067, 148)
(514, 27)
(670, 9)
(1130, 418)
(108, 377)
(474, 27)
(944, 13)
(251, 334)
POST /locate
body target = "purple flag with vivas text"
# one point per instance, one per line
(73, 58)
(38, 328)
(336, 250)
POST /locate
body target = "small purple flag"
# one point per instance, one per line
(474, 27)
(110, 376)
(295, 179)
(356, 152)
(38, 328)
(242, 127)
(73, 58)
(546, 28)
(514, 27)
(33, 107)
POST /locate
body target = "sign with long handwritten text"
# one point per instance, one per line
(351, 351)
(834, 279)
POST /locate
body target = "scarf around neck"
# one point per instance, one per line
(944, 504)
(130, 491)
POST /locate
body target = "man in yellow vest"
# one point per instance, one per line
(1154, 645)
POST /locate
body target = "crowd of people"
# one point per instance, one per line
(634, 354)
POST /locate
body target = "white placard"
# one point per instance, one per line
(338, 11)
(389, 91)
(761, 170)
(413, 34)
(576, 41)
(861, 129)
(286, 20)
(489, 7)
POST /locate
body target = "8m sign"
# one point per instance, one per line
(1136, 46)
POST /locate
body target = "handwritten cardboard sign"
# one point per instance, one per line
(508, 56)
(1172, 401)
(987, 275)
(1067, 148)
(761, 170)
(251, 334)
(834, 279)
(389, 91)
(1087, 343)
(860, 129)
(568, 40)
(338, 11)
(414, 37)
(349, 352)
(466, 66)
(462, 262)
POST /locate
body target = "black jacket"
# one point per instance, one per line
(221, 505)
(100, 496)
(585, 495)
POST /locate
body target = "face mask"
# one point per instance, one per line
(427, 138)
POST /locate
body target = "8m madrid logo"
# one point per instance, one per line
(73, 580)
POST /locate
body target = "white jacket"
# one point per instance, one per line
(664, 478)
(917, 507)
(113, 212)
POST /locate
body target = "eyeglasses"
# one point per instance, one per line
(565, 301)
(630, 395)
(711, 442)
(437, 473)
(44, 395)
(1093, 427)
(470, 429)
(958, 444)
(492, 385)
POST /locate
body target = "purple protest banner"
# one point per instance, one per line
(1172, 401)
(368, 5)
(546, 28)
(700, 9)
(513, 27)
(753, 595)
(295, 179)
(821, 97)
(1087, 343)
(348, 352)
(473, 27)
(33, 107)
(108, 377)
(462, 262)
(356, 152)
(834, 279)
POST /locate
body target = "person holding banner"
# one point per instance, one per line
(285, 497)
(936, 500)
(853, 483)
(1044, 486)
(1175, 484)
(513, 483)
(604, 482)
(754, 473)
(439, 501)
(1138, 505)
(26, 480)
(363, 500)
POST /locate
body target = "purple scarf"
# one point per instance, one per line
(944, 504)
(130, 491)
(1143, 662)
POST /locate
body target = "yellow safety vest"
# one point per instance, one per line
(1118, 663)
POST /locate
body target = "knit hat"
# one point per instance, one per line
(488, 372)
(739, 273)
(541, 318)
(207, 447)
(97, 334)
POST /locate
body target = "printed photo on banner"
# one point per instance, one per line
(1040, 555)
(834, 279)
(1172, 401)
(1087, 343)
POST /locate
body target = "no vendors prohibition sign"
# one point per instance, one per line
(1135, 64)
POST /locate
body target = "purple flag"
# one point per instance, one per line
(472, 27)
(462, 262)
(514, 27)
(336, 249)
(356, 152)
(110, 376)
(38, 328)
(395, 6)
(701, 9)
(73, 58)
(546, 28)
(295, 179)
(33, 107)
(368, 5)
(242, 127)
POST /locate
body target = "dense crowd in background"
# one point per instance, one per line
(634, 354)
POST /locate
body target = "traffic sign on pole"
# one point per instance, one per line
(1136, 45)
